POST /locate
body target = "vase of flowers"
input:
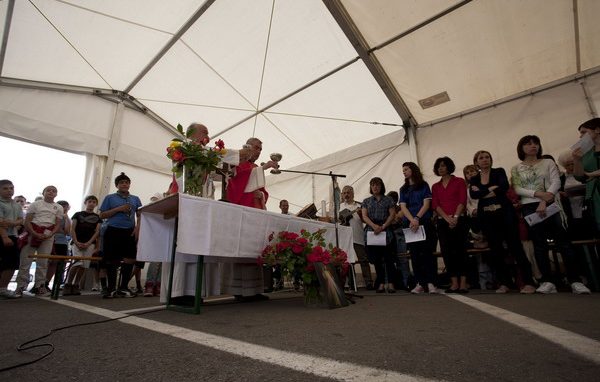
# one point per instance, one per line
(193, 161)
(298, 254)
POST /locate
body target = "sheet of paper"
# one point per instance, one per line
(373, 239)
(535, 218)
(585, 143)
(412, 237)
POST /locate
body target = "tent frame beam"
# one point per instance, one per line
(579, 78)
(347, 25)
(9, 14)
(176, 37)
(110, 95)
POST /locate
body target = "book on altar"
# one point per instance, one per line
(256, 180)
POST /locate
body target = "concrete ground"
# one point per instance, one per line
(397, 337)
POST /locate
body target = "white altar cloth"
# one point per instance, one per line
(219, 231)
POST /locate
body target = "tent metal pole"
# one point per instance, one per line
(113, 145)
(170, 44)
(347, 25)
(590, 102)
(411, 138)
(8, 21)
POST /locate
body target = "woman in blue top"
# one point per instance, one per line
(415, 201)
(378, 212)
(120, 238)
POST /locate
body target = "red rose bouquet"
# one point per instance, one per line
(298, 253)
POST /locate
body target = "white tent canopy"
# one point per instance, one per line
(333, 85)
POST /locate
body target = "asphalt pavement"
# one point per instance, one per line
(398, 337)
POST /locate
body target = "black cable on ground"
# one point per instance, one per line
(24, 346)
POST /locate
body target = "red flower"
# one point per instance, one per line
(290, 236)
(220, 144)
(177, 156)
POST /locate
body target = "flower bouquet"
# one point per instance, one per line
(194, 161)
(301, 254)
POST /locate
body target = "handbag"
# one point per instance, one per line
(22, 239)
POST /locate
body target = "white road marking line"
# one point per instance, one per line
(573, 342)
(319, 366)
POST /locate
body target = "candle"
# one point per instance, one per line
(323, 208)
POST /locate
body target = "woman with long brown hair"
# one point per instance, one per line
(415, 201)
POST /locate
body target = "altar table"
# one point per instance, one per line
(208, 231)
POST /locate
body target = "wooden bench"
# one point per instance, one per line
(60, 268)
(590, 258)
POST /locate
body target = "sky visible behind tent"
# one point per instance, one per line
(32, 167)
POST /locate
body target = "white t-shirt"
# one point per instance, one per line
(44, 213)
(355, 223)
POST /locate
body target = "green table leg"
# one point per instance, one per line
(58, 276)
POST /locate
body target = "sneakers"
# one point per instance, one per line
(7, 294)
(149, 290)
(579, 288)
(127, 293)
(503, 289)
(18, 292)
(42, 291)
(528, 289)
(418, 289)
(108, 294)
(432, 289)
(546, 288)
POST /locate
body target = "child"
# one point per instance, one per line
(42, 222)
(120, 210)
(61, 243)
(85, 231)
(10, 218)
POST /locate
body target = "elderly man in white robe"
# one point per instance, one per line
(184, 273)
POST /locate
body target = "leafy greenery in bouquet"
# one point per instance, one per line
(298, 253)
(195, 158)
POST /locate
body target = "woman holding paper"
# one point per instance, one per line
(499, 221)
(537, 181)
(415, 200)
(378, 212)
(449, 197)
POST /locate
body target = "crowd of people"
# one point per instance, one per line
(517, 215)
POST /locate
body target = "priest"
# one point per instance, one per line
(247, 188)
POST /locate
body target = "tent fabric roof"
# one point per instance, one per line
(298, 75)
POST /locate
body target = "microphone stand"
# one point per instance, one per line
(336, 207)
